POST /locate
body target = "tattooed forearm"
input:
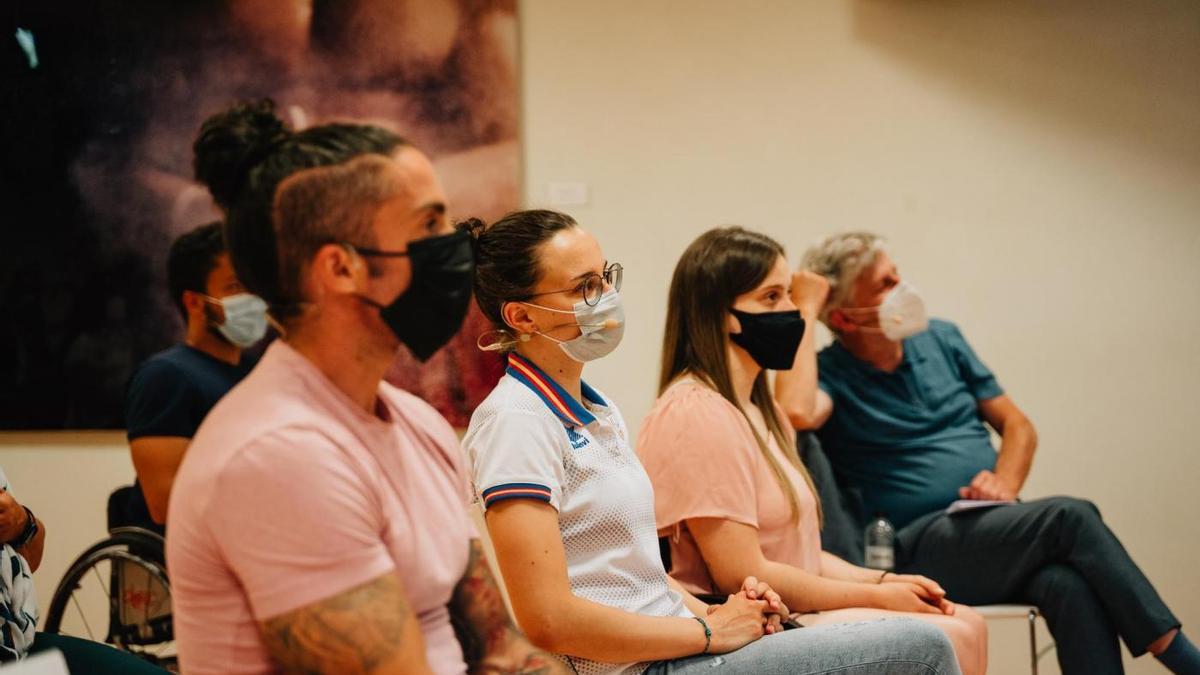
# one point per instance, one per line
(357, 631)
(491, 642)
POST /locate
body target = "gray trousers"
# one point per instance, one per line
(897, 646)
(1055, 553)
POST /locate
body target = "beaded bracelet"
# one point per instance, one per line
(707, 634)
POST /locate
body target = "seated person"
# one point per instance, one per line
(730, 490)
(901, 409)
(24, 539)
(172, 391)
(318, 522)
(571, 511)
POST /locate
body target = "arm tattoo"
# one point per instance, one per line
(349, 633)
(490, 640)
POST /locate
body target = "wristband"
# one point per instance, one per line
(27, 535)
(707, 634)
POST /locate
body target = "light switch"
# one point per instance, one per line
(568, 193)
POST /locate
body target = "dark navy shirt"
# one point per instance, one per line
(169, 395)
(909, 439)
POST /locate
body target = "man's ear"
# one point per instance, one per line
(338, 269)
(194, 303)
(840, 323)
(516, 315)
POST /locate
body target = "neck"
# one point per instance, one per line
(743, 370)
(874, 349)
(351, 354)
(202, 338)
(564, 370)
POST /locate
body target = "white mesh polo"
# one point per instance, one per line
(531, 440)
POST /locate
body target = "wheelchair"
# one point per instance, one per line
(122, 580)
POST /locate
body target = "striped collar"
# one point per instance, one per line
(570, 411)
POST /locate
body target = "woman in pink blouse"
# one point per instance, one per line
(730, 491)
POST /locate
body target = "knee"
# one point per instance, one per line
(1074, 506)
(926, 641)
(1074, 513)
(972, 624)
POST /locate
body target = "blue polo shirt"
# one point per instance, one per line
(909, 439)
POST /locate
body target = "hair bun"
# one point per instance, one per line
(231, 143)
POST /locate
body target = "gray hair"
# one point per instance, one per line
(841, 258)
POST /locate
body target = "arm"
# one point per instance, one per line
(694, 604)
(490, 640)
(366, 629)
(833, 567)
(532, 560)
(806, 405)
(13, 521)
(731, 551)
(1018, 442)
(156, 460)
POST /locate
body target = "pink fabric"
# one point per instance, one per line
(290, 494)
(701, 455)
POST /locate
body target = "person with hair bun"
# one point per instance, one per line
(318, 521)
(570, 509)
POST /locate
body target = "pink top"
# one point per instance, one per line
(701, 455)
(290, 494)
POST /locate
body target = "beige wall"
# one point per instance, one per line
(1036, 166)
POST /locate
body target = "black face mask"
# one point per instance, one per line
(432, 310)
(771, 338)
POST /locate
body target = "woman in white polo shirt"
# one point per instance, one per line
(571, 511)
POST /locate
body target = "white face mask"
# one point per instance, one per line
(901, 314)
(602, 327)
(245, 318)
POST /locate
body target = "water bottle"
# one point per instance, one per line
(879, 538)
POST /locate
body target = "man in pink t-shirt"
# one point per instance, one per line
(318, 520)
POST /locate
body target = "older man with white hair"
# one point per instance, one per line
(902, 405)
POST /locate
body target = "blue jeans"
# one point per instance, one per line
(897, 646)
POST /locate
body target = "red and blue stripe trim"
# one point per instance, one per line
(499, 493)
(559, 401)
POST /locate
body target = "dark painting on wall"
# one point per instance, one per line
(99, 103)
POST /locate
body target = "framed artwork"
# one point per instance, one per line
(99, 106)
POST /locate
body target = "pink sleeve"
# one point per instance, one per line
(700, 455)
(298, 521)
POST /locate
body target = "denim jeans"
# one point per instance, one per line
(898, 646)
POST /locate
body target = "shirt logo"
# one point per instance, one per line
(577, 440)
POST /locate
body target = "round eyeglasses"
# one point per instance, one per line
(592, 286)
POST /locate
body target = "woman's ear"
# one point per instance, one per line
(732, 325)
(516, 315)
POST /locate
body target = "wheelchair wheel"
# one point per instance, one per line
(117, 592)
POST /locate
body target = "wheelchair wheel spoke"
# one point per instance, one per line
(83, 616)
(101, 580)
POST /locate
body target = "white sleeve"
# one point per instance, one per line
(517, 455)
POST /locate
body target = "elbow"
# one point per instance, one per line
(541, 628)
(803, 418)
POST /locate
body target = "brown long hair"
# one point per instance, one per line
(720, 265)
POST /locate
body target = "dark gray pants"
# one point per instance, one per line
(1055, 553)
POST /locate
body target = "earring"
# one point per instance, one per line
(526, 337)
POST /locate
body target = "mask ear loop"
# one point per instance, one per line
(504, 340)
